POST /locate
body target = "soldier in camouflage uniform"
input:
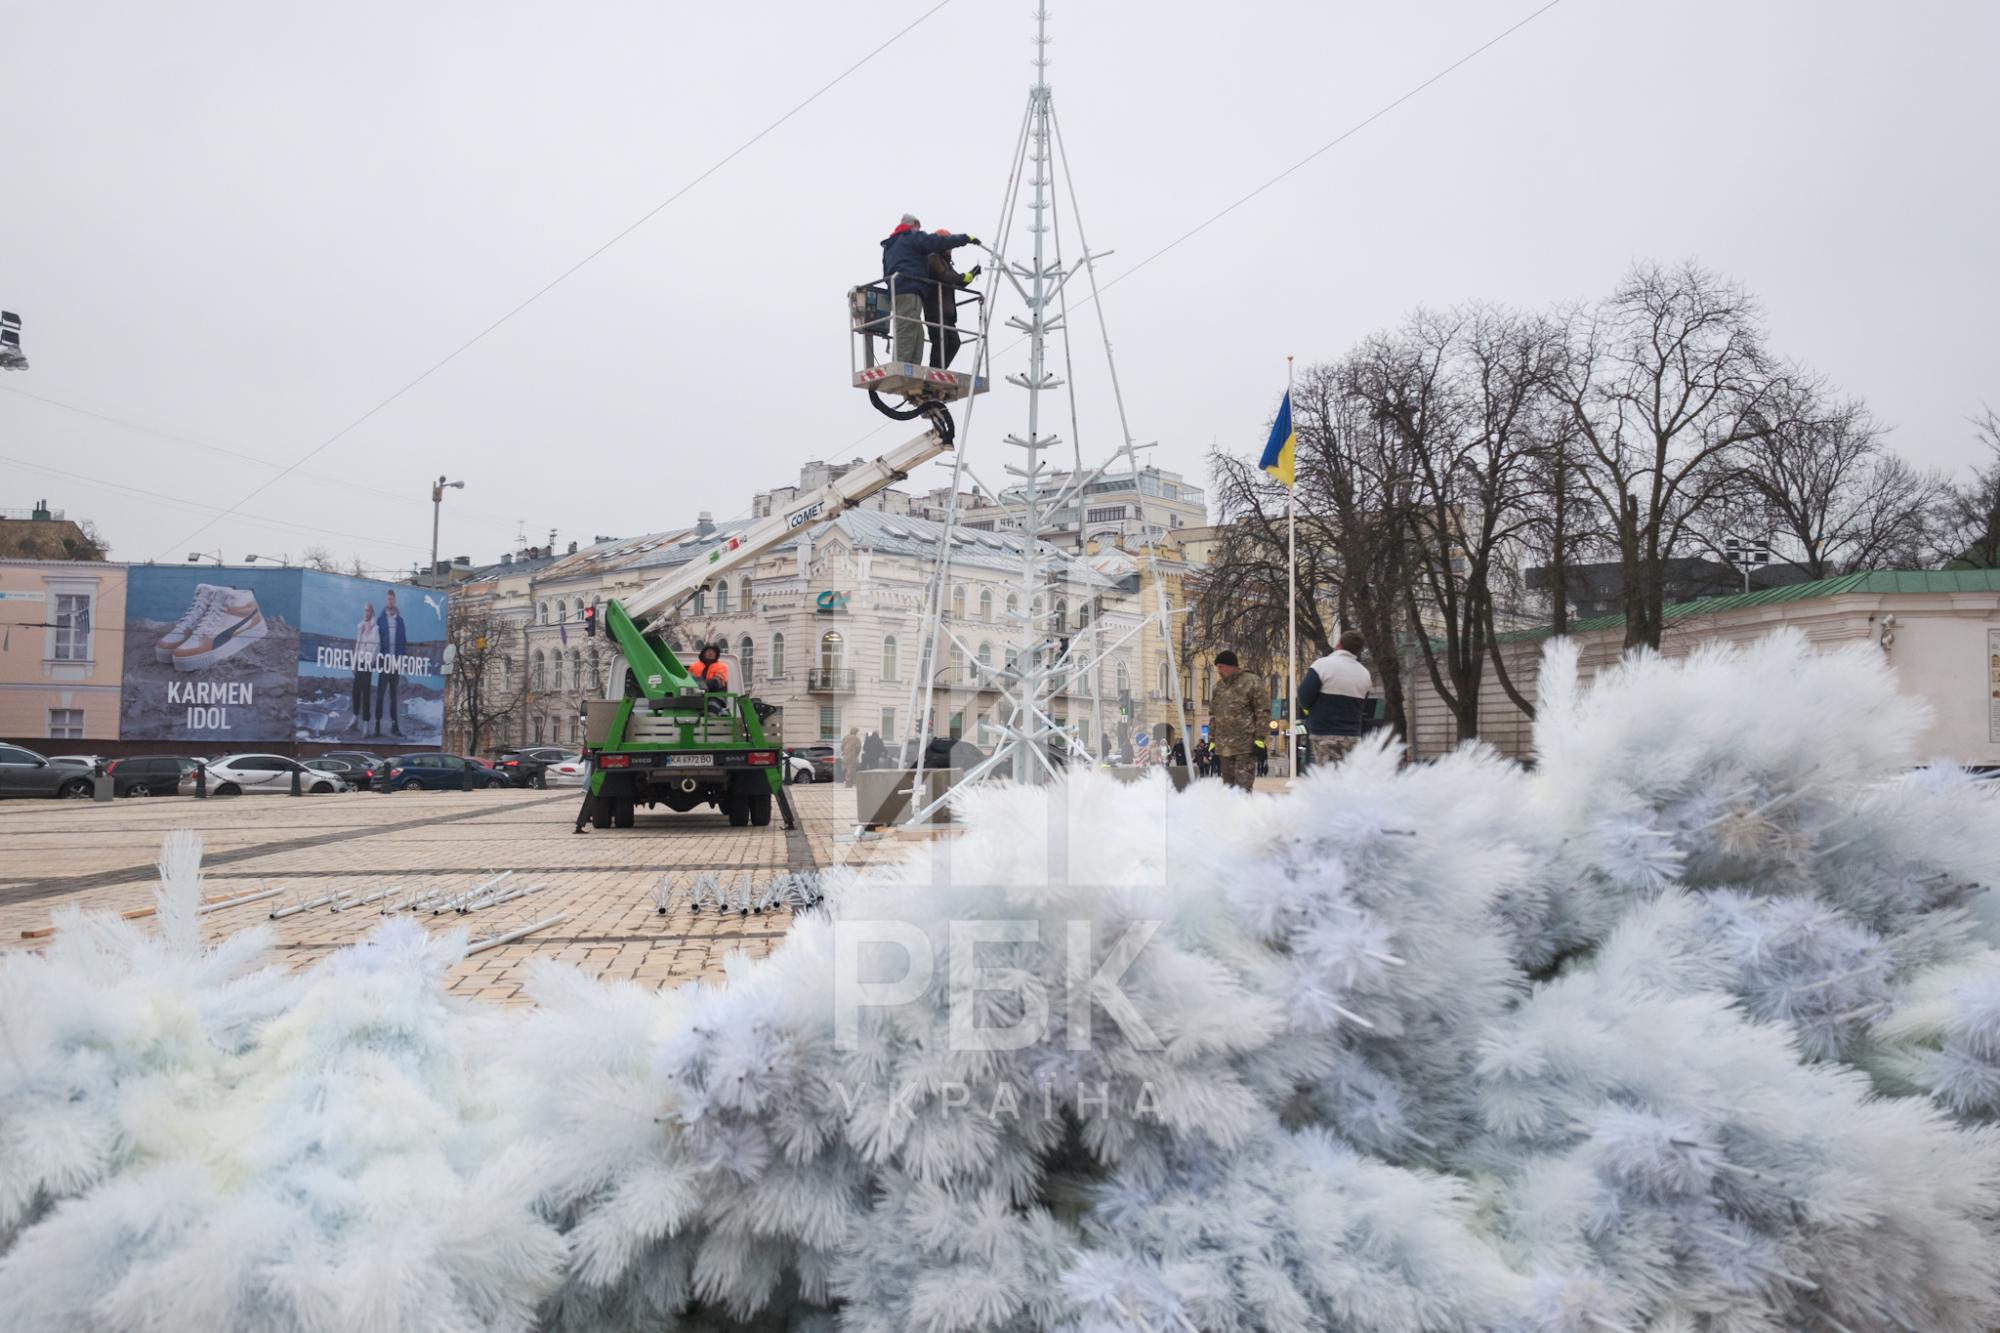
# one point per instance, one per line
(1238, 714)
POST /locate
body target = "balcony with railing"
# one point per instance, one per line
(830, 680)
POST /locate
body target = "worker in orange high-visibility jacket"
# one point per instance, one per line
(710, 669)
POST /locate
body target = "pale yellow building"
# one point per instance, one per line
(61, 651)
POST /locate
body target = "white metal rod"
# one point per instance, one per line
(295, 908)
(238, 902)
(493, 941)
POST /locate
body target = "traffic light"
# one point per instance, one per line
(590, 622)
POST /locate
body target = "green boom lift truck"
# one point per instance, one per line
(661, 737)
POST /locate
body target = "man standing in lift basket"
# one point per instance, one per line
(906, 255)
(1333, 700)
(941, 305)
(1238, 713)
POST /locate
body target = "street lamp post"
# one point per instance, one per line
(437, 507)
(283, 559)
(1743, 552)
(196, 556)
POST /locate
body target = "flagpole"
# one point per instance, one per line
(1292, 591)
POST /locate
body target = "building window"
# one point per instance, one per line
(888, 724)
(576, 668)
(537, 673)
(777, 657)
(986, 603)
(746, 593)
(562, 610)
(1062, 616)
(957, 728)
(538, 731)
(891, 667)
(72, 621)
(958, 602)
(722, 598)
(1107, 514)
(985, 662)
(1124, 679)
(832, 651)
(542, 613)
(699, 606)
(985, 729)
(1164, 688)
(65, 724)
(957, 665)
(1013, 605)
(1083, 615)
(746, 656)
(829, 722)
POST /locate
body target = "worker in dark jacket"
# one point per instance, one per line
(906, 255)
(941, 305)
(1333, 700)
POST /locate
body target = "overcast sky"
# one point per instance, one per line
(244, 224)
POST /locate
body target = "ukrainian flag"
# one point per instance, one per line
(1279, 453)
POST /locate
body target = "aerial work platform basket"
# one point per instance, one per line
(920, 383)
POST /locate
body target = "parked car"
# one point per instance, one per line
(25, 773)
(436, 772)
(84, 761)
(361, 764)
(570, 771)
(525, 765)
(810, 763)
(148, 774)
(355, 775)
(261, 775)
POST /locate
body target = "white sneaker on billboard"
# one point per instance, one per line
(233, 623)
(204, 594)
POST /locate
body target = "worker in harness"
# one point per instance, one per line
(941, 304)
(906, 253)
(710, 669)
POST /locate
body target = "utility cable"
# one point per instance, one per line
(1332, 143)
(562, 277)
(196, 506)
(193, 443)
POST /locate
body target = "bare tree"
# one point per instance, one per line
(1972, 515)
(1239, 597)
(487, 687)
(1461, 392)
(1830, 492)
(1666, 380)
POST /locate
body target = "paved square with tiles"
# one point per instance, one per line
(101, 856)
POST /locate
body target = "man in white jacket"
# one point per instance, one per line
(1333, 700)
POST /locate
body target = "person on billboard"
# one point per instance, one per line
(367, 642)
(393, 641)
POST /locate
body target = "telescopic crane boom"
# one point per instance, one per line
(629, 620)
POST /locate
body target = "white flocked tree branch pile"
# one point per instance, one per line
(1693, 1028)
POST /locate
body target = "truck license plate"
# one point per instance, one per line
(691, 760)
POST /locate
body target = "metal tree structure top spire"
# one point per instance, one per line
(1047, 649)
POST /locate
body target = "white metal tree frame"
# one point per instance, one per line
(1046, 651)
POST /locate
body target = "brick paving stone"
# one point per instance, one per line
(362, 842)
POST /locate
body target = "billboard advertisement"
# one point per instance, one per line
(249, 656)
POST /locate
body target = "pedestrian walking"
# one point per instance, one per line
(1239, 711)
(1333, 700)
(850, 754)
(874, 754)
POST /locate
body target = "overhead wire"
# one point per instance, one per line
(1316, 153)
(193, 443)
(565, 275)
(196, 506)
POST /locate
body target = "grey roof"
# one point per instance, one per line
(901, 534)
